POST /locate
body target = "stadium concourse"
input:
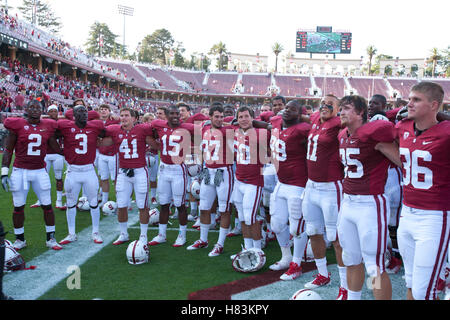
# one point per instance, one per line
(98, 102)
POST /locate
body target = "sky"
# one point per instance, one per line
(401, 28)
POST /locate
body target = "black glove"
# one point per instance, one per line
(128, 172)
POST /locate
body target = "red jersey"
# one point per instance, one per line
(113, 149)
(196, 117)
(365, 169)
(80, 144)
(250, 149)
(31, 145)
(175, 142)
(324, 164)
(228, 119)
(288, 148)
(131, 144)
(217, 153)
(426, 165)
(392, 114)
(265, 116)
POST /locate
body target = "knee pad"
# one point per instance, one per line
(296, 227)
(331, 234)
(312, 230)
(350, 259)
(277, 225)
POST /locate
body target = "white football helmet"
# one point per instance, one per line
(154, 216)
(250, 260)
(194, 170)
(13, 260)
(109, 208)
(379, 117)
(137, 252)
(306, 294)
(194, 189)
(83, 204)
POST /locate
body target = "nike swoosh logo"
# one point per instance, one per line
(425, 142)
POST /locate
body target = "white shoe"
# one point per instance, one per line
(181, 241)
(69, 239)
(157, 240)
(235, 232)
(218, 250)
(143, 239)
(97, 238)
(280, 265)
(191, 218)
(60, 206)
(175, 215)
(19, 244)
(199, 244)
(36, 205)
(52, 244)
(121, 239)
(197, 223)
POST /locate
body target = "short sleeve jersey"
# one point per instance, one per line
(365, 169)
(324, 164)
(113, 149)
(426, 165)
(31, 145)
(288, 146)
(131, 144)
(175, 142)
(80, 144)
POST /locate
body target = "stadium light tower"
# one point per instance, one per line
(126, 11)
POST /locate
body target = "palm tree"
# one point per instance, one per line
(371, 52)
(434, 58)
(221, 50)
(277, 48)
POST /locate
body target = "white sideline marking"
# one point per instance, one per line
(52, 265)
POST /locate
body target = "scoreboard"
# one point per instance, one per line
(322, 41)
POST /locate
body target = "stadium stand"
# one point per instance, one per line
(293, 85)
(256, 83)
(331, 85)
(367, 87)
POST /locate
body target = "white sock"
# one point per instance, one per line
(354, 295)
(222, 235)
(71, 215)
(257, 244)
(95, 216)
(321, 265)
(343, 277)
(237, 224)
(123, 226)
(49, 228)
(283, 237)
(248, 243)
(163, 229)
(183, 230)
(204, 229)
(194, 208)
(19, 230)
(59, 195)
(286, 254)
(213, 219)
(153, 192)
(299, 247)
(144, 229)
(105, 196)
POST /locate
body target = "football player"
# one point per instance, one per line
(131, 139)
(323, 192)
(28, 138)
(278, 104)
(175, 139)
(218, 178)
(424, 231)
(363, 221)
(252, 148)
(152, 162)
(80, 144)
(288, 146)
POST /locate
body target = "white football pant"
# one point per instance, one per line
(20, 185)
(247, 198)
(125, 186)
(57, 162)
(172, 184)
(223, 192)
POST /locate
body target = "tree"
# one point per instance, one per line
(99, 33)
(220, 49)
(376, 67)
(434, 58)
(277, 48)
(41, 14)
(156, 47)
(371, 52)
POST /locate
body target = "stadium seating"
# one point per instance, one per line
(293, 85)
(367, 87)
(403, 86)
(256, 83)
(331, 85)
(221, 83)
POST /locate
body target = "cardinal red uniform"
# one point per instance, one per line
(362, 225)
(424, 230)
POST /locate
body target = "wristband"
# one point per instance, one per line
(5, 171)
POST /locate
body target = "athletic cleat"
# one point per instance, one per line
(218, 250)
(181, 241)
(157, 240)
(19, 244)
(343, 294)
(293, 272)
(97, 238)
(154, 201)
(175, 215)
(52, 244)
(196, 225)
(60, 206)
(234, 232)
(36, 205)
(199, 244)
(69, 239)
(394, 265)
(319, 281)
(191, 218)
(121, 239)
(271, 236)
(280, 265)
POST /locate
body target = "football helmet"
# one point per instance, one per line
(13, 260)
(109, 208)
(402, 113)
(306, 294)
(194, 170)
(194, 189)
(379, 117)
(250, 260)
(137, 252)
(83, 204)
(154, 216)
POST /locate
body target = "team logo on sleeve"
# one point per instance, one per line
(26, 127)
(405, 135)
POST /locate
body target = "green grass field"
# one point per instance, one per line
(171, 274)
